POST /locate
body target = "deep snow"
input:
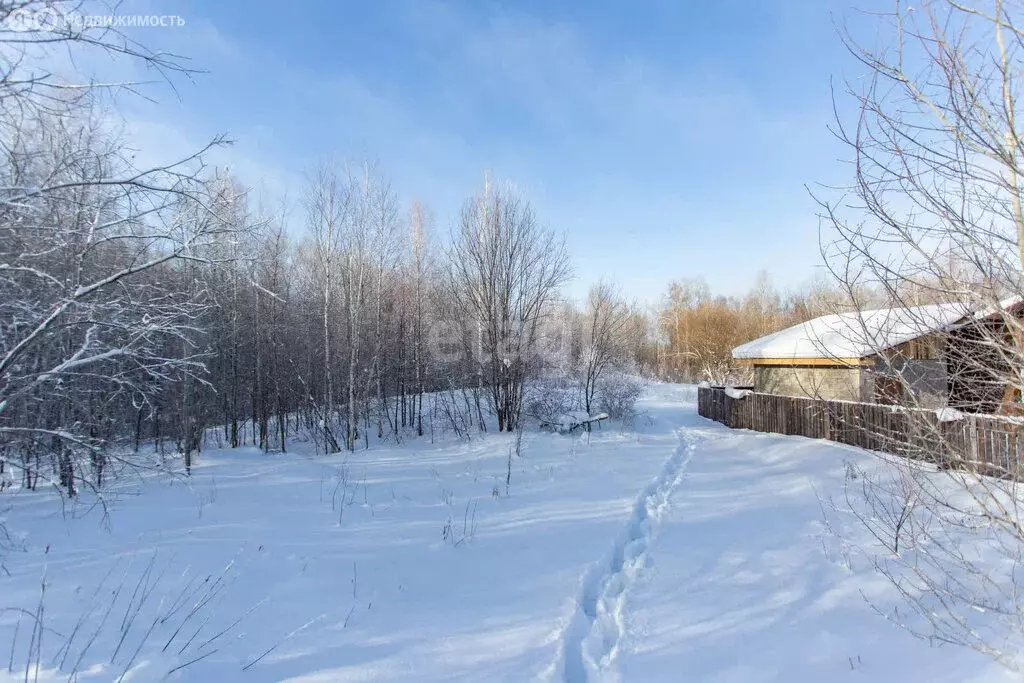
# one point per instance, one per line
(676, 550)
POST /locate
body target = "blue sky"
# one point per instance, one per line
(665, 139)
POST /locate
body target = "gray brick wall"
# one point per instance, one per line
(832, 383)
(927, 380)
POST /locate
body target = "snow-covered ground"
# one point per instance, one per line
(675, 551)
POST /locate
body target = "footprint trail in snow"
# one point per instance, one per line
(591, 641)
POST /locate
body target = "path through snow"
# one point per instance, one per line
(591, 642)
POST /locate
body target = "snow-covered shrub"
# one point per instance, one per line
(549, 397)
(617, 394)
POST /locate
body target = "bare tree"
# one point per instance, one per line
(608, 331)
(329, 204)
(504, 272)
(86, 237)
(384, 251)
(355, 271)
(421, 268)
(934, 215)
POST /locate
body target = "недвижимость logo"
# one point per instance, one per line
(48, 19)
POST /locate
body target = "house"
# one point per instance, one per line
(873, 356)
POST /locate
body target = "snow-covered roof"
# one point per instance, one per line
(1005, 305)
(853, 335)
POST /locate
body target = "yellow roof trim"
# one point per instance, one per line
(828, 362)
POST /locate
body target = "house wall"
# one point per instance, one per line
(919, 365)
(927, 379)
(832, 383)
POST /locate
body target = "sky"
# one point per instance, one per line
(664, 139)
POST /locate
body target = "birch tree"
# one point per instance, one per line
(329, 206)
(421, 268)
(384, 251)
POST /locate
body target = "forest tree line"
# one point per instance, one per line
(168, 306)
(695, 330)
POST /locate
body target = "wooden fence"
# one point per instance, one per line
(988, 444)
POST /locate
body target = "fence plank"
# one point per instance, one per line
(989, 444)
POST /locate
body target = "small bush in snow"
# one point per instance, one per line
(545, 399)
(617, 395)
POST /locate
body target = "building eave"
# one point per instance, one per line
(805, 362)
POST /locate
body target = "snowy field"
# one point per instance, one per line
(675, 551)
